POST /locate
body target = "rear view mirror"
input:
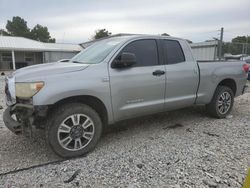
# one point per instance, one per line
(124, 60)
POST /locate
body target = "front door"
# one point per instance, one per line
(140, 89)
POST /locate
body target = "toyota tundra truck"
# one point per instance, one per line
(115, 79)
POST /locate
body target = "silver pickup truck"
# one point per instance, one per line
(112, 80)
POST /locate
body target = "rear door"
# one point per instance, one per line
(138, 90)
(182, 75)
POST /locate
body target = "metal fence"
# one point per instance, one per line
(205, 51)
(236, 48)
(209, 50)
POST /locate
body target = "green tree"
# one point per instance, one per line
(41, 33)
(238, 45)
(241, 39)
(100, 33)
(18, 27)
(165, 34)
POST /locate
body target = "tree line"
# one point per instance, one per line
(238, 45)
(18, 27)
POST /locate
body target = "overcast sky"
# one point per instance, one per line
(74, 21)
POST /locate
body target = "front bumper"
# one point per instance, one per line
(10, 123)
(26, 117)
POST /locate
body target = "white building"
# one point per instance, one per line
(17, 52)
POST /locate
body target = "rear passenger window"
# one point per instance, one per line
(173, 52)
(145, 52)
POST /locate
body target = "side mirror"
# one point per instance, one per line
(124, 60)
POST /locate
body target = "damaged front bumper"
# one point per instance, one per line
(12, 124)
(20, 118)
(21, 114)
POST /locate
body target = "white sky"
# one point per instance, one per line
(74, 21)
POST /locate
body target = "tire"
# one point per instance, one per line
(73, 130)
(215, 107)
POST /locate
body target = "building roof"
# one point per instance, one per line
(25, 44)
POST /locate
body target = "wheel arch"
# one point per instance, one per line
(229, 83)
(89, 100)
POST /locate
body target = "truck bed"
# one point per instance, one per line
(213, 72)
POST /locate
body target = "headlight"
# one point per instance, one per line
(28, 90)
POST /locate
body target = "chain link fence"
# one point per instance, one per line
(236, 48)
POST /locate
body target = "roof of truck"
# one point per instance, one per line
(127, 35)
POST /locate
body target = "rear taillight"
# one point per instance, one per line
(246, 68)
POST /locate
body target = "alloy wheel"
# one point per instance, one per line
(224, 102)
(75, 132)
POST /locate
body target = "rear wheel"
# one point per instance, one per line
(74, 130)
(222, 102)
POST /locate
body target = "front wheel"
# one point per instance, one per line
(222, 102)
(74, 130)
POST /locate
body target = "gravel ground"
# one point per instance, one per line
(184, 148)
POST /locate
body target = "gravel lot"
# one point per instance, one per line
(184, 148)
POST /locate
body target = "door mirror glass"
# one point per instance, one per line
(124, 60)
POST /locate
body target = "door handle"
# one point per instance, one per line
(158, 73)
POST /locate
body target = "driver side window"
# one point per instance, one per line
(145, 52)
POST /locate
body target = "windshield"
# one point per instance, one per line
(98, 51)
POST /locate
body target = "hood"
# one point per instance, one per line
(41, 71)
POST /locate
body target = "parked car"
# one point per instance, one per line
(116, 79)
